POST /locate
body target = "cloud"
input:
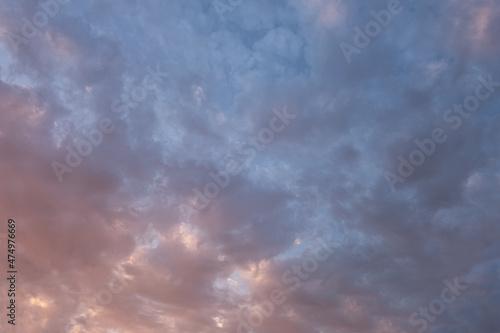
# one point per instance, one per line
(121, 223)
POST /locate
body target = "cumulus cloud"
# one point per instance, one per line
(120, 244)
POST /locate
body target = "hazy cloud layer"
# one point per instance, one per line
(186, 89)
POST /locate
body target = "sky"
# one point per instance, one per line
(236, 166)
